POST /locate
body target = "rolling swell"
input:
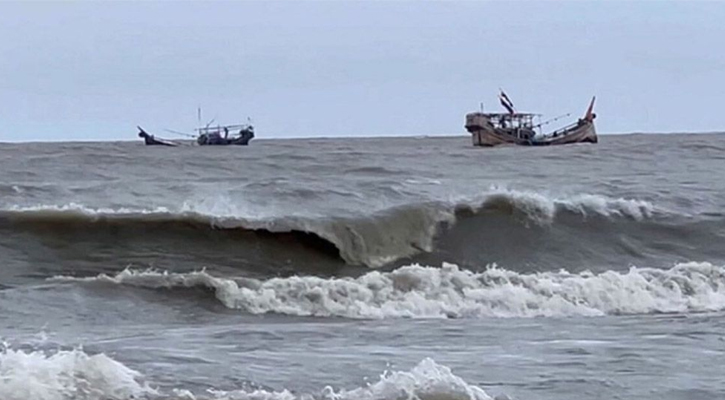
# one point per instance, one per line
(498, 227)
(451, 292)
(372, 241)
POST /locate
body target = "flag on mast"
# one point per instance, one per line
(506, 102)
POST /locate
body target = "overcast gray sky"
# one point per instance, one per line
(94, 70)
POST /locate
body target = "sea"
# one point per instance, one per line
(364, 269)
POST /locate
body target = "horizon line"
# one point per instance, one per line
(433, 136)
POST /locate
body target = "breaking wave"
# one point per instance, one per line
(427, 380)
(451, 292)
(372, 240)
(66, 375)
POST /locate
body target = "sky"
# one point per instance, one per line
(95, 70)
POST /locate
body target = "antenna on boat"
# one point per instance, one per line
(552, 120)
(179, 133)
(198, 116)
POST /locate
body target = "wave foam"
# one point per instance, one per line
(450, 292)
(544, 209)
(75, 375)
(426, 381)
(66, 375)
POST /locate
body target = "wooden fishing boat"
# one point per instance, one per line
(218, 135)
(511, 127)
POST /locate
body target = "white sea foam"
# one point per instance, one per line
(588, 203)
(76, 209)
(75, 375)
(426, 381)
(544, 208)
(66, 375)
(425, 292)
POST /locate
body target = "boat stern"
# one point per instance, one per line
(476, 121)
(481, 129)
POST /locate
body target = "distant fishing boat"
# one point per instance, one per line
(220, 135)
(512, 127)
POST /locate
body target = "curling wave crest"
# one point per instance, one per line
(373, 239)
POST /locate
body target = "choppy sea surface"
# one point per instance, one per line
(387, 269)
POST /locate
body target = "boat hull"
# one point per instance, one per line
(150, 140)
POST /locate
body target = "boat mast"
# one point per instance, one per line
(198, 117)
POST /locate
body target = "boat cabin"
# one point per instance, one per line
(225, 135)
(518, 125)
(512, 121)
(223, 131)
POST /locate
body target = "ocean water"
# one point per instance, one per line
(355, 269)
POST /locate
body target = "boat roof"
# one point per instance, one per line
(514, 115)
(219, 128)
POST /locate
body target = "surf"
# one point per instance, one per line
(417, 291)
(76, 374)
